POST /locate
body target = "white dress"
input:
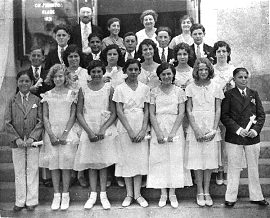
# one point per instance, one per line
(133, 158)
(222, 77)
(117, 76)
(59, 156)
(178, 39)
(183, 78)
(78, 78)
(149, 78)
(166, 161)
(141, 35)
(100, 154)
(203, 155)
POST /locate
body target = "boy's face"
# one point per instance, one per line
(130, 43)
(241, 79)
(24, 83)
(197, 36)
(62, 37)
(163, 39)
(95, 44)
(36, 58)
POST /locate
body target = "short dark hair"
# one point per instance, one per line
(164, 28)
(164, 66)
(26, 72)
(197, 26)
(130, 34)
(181, 45)
(96, 63)
(103, 54)
(37, 47)
(148, 42)
(219, 44)
(70, 49)
(62, 27)
(239, 69)
(95, 34)
(112, 20)
(196, 68)
(129, 62)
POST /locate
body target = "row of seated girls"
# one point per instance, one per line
(149, 117)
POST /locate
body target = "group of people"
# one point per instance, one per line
(147, 104)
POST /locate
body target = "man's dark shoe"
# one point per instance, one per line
(82, 181)
(17, 208)
(47, 182)
(261, 203)
(229, 204)
(31, 208)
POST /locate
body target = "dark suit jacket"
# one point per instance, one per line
(135, 55)
(235, 113)
(52, 59)
(208, 51)
(169, 57)
(76, 37)
(23, 122)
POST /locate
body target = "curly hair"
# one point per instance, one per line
(164, 66)
(196, 68)
(148, 42)
(149, 12)
(219, 44)
(181, 45)
(53, 70)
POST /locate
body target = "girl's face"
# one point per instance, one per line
(96, 74)
(241, 79)
(114, 28)
(203, 72)
(182, 56)
(112, 57)
(133, 71)
(24, 83)
(186, 24)
(149, 21)
(166, 76)
(222, 54)
(62, 38)
(59, 78)
(73, 59)
(147, 51)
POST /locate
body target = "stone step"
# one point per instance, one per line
(187, 208)
(265, 134)
(117, 194)
(264, 169)
(266, 106)
(267, 120)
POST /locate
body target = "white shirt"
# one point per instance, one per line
(201, 49)
(166, 51)
(96, 56)
(132, 53)
(38, 71)
(241, 91)
(85, 44)
(59, 52)
(22, 95)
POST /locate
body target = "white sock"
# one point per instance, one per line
(93, 194)
(66, 194)
(103, 194)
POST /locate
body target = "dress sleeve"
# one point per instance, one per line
(118, 95)
(45, 96)
(181, 95)
(218, 93)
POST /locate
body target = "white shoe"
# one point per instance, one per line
(127, 201)
(200, 202)
(104, 201)
(162, 201)
(173, 200)
(208, 201)
(91, 201)
(56, 201)
(65, 201)
(142, 202)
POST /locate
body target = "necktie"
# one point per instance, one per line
(129, 56)
(62, 55)
(199, 55)
(243, 94)
(163, 58)
(24, 101)
(85, 32)
(36, 75)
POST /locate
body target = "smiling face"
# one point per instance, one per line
(62, 37)
(163, 39)
(241, 79)
(133, 71)
(147, 51)
(73, 59)
(197, 36)
(149, 21)
(112, 57)
(182, 56)
(59, 78)
(24, 83)
(36, 58)
(86, 15)
(96, 74)
(166, 76)
(130, 43)
(222, 54)
(203, 72)
(185, 25)
(114, 28)
(95, 44)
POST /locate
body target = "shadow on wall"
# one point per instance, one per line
(261, 83)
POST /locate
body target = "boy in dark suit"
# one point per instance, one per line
(238, 106)
(164, 37)
(199, 49)
(130, 43)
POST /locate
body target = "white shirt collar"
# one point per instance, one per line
(89, 25)
(166, 51)
(241, 90)
(201, 47)
(96, 56)
(132, 53)
(22, 95)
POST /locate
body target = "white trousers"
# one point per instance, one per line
(25, 162)
(235, 164)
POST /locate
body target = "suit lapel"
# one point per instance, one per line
(18, 101)
(29, 104)
(247, 98)
(238, 96)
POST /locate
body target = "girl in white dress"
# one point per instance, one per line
(183, 75)
(224, 79)
(203, 135)
(148, 53)
(185, 23)
(60, 142)
(96, 114)
(166, 161)
(132, 98)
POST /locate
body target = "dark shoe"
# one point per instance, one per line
(31, 208)
(47, 182)
(229, 204)
(17, 209)
(73, 181)
(261, 203)
(82, 181)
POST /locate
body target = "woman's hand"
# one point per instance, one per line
(63, 138)
(198, 134)
(140, 136)
(171, 136)
(101, 133)
(54, 140)
(160, 138)
(131, 135)
(92, 137)
(29, 142)
(20, 143)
